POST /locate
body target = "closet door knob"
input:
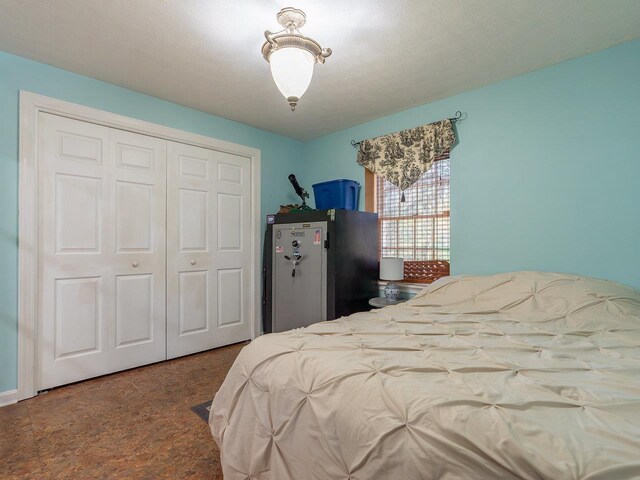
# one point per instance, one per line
(192, 262)
(135, 264)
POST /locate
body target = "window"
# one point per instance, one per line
(417, 229)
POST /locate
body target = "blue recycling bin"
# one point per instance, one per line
(340, 194)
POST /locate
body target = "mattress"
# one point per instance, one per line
(522, 375)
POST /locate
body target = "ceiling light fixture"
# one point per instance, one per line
(292, 55)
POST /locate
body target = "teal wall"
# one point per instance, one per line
(280, 156)
(546, 174)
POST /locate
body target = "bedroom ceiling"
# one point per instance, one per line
(387, 55)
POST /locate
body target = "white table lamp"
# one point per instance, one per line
(391, 269)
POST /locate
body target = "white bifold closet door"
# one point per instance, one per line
(137, 266)
(208, 249)
(101, 283)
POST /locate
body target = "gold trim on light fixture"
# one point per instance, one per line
(290, 37)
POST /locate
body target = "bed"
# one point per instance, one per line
(522, 375)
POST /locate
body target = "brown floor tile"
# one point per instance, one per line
(131, 425)
(13, 416)
(80, 461)
(18, 445)
(26, 469)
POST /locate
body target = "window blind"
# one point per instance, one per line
(418, 229)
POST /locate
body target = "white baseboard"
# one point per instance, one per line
(8, 397)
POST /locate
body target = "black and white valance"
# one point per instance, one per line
(403, 157)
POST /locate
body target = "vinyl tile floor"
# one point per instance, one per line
(135, 424)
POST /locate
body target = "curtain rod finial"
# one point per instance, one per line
(457, 117)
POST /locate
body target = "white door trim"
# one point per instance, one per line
(31, 105)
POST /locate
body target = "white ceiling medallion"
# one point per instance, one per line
(292, 55)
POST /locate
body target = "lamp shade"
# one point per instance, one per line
(391, 268)
(292, 69)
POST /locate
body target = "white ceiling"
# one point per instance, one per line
(389, 55)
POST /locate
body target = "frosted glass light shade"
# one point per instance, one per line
(292, 69)
(391, 268)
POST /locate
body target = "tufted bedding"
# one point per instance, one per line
(522, 375)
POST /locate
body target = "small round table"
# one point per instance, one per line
(380, 302)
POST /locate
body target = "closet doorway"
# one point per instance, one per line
(138, 243)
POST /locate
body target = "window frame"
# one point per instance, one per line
(416, 271)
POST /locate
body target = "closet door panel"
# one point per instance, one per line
(73, 279)
(138, 234)
(134, 217)
(190, 211)
(194, 302)
(230, 310)
(230, 213)
(77, 316)
(232, 248)
(207, 249)
(78, 213)
(193, 214)
(134, 309)
(102, 248)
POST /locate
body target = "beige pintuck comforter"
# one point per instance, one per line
(523, 375)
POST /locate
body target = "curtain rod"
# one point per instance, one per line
(454, 119)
